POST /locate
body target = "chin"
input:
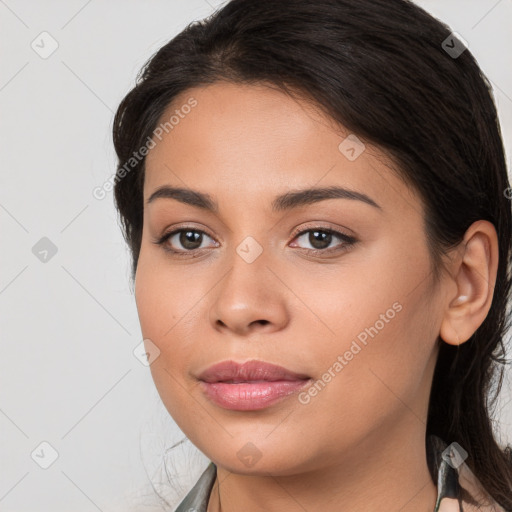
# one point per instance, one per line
(248, 460)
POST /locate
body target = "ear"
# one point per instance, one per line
(474, 276)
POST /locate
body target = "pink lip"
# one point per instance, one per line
(249, 386)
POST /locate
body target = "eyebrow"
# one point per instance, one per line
(287, 201)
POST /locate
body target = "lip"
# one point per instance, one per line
(252, 385)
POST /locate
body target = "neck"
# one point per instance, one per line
(385, 471)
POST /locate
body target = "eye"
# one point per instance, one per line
(193, 240)
(321, 238)
(188, 238)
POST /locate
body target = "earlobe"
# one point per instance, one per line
(474, 274)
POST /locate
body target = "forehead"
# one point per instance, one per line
(241, 139)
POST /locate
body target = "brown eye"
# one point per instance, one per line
(321, 239)
(184, 240)
(190, 239)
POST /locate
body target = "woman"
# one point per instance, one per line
(315, 197)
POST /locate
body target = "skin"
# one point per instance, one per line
(358, 444)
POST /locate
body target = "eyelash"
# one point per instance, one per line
(347, 240)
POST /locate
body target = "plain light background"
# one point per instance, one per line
(69, 326)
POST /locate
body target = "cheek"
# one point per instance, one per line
(377, 357)
(364, 387)
(162, 308)
(170, 313)
(166, 300)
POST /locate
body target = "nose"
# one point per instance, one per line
(249, 298)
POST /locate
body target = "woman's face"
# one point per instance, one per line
(360, 317)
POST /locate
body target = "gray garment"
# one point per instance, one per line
(197, 499)
(445, 472)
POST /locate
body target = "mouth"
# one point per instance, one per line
(250, 386)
